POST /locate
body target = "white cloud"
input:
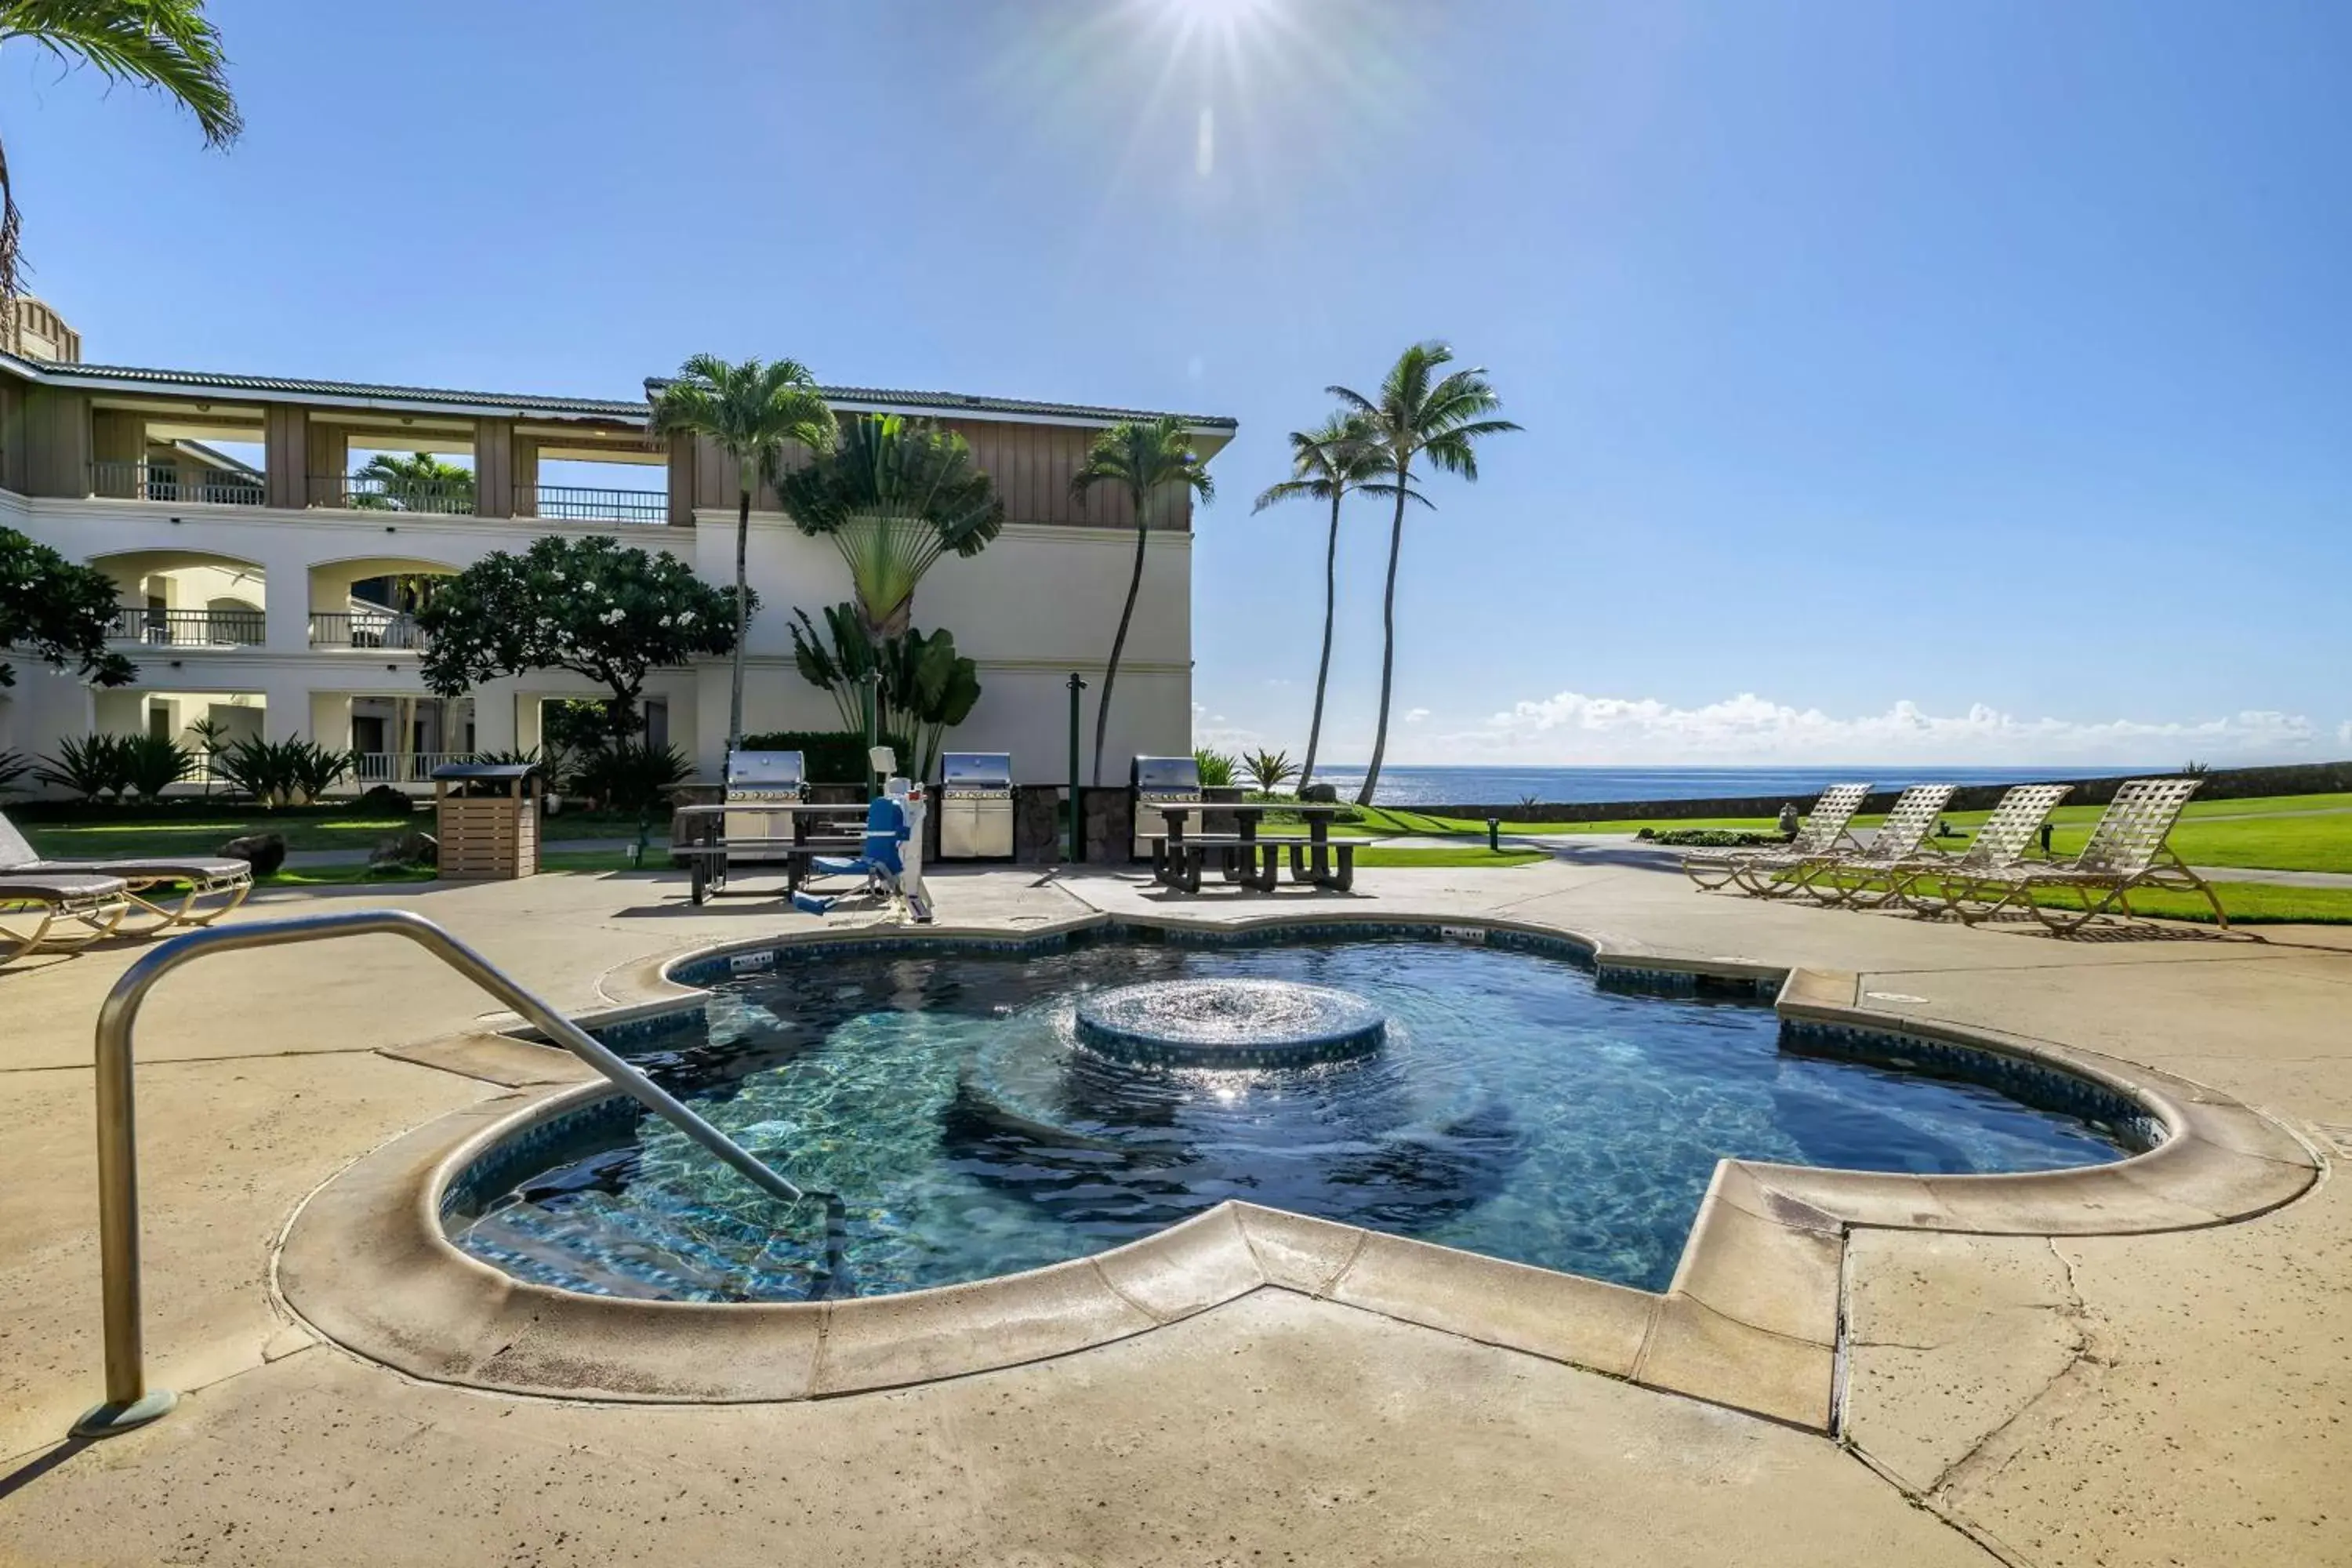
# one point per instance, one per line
(1415, 715)
(1572, 727)
(1214, 731)
(2343, 734)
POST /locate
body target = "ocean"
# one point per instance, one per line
(1504, 786)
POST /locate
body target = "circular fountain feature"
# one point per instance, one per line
(1229, 1022)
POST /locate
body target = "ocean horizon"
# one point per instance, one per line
(1465, 786)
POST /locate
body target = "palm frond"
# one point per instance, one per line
(167, 45)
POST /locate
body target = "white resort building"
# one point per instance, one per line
(262, 574)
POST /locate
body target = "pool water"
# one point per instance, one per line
(1516, 1107)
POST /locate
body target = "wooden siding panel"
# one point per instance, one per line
(285, 456)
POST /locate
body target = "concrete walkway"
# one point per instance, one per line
(2175, 1398)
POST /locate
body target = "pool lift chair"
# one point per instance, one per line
(891, 862)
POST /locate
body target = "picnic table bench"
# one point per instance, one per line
(698, 841)
(1248, 856)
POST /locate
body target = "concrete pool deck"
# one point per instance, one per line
(2089, 1399)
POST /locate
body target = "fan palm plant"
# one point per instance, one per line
(163, 44)
(1418, 413)
(1144, 458)
(1326, 463)
(893, 495)
(421, 483)
(751, 411)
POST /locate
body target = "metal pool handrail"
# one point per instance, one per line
(129, 1402)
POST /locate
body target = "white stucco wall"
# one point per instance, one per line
(1039, 602)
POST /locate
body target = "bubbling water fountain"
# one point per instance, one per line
(1229, 1022)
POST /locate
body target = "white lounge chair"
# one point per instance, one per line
(1938, 884)
(2127, 849)
(214, 884)
(1755, 869)
(90, 907)
(1865, 878)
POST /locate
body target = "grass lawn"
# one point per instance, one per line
(1466, 855)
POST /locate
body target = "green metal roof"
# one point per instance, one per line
(134, 378)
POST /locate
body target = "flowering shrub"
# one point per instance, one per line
(594, 606)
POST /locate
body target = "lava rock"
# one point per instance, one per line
(410, 849)
(1320, 794)
(382, 800)
(265, 852)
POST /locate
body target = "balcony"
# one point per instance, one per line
(188, 628)
(176, 482)
(372, 492)
(372, 629)
(576, 504)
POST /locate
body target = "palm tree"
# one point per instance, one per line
(1140, 457)
(1326, 463)
(163, 44)
(1416, 414)
(751, 412)
(894, 496)
(419, 483)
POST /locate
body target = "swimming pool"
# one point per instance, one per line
(1514, 1106)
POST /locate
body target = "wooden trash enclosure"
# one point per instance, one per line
(488, 820)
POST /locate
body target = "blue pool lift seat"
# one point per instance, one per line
(880, 863)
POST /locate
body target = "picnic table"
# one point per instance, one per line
(1248, 855)
(699, 842)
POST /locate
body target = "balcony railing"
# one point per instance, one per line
(365, 629)
(575, 503)
(401, 767)
(176, 482)
(188, 628)
(376, 492)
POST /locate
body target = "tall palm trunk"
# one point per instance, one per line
(1118, 644)
(1323, 670)
(735, 691)
(1387, 645)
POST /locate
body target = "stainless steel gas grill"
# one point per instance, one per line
(976, 805)
(761, 778)
(1172, 781)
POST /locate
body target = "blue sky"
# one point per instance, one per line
(1901, 382)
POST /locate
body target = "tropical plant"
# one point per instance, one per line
(1326, 463)
(210, 734)
(930, 688)
(630, 776)
(751, 411)
(893, 495)
(1270, 770)
(422, 482)
(163, 44)
(1418, 414)
(56, 610)
(1216, 767)
(13, 766)
(94, 766)
(153, 763)
(1143, 459)
(596, 607)
(255, 767)
(922, 687)
(311, 770)
(568, 731)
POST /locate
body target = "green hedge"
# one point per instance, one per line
(831, 756)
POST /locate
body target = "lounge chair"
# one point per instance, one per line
(2127, 849)
(1754, 869)
(1936, 884)
(91, 907)
(205, 876)
(1865, 878)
